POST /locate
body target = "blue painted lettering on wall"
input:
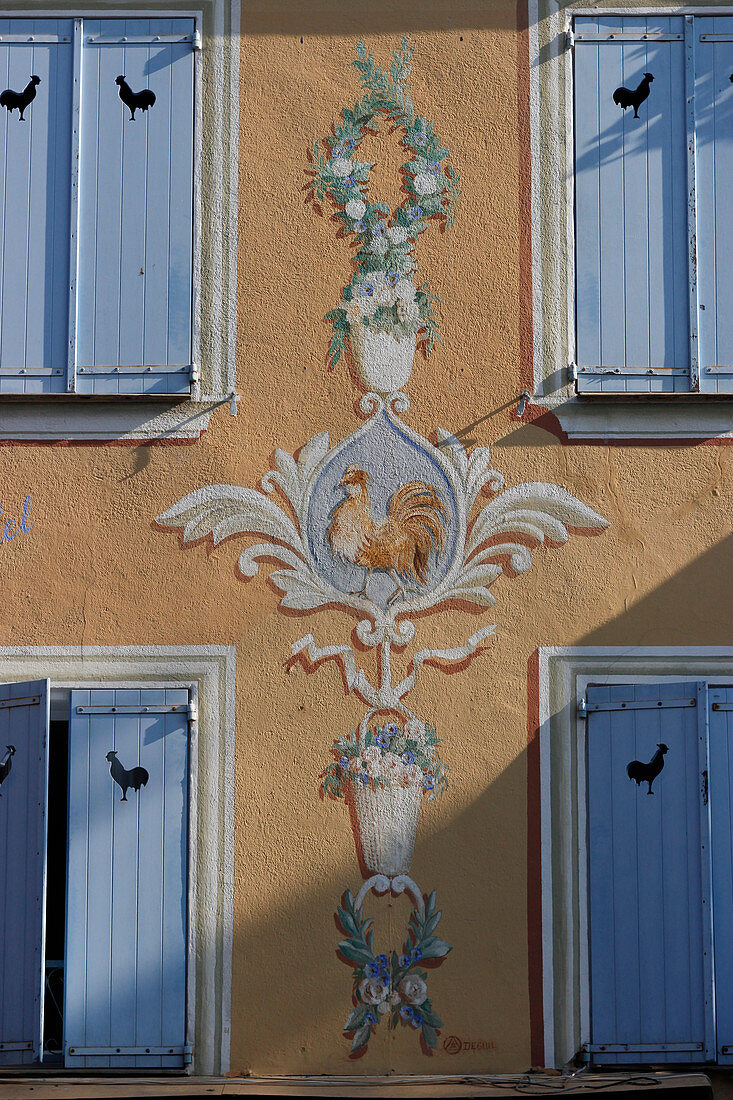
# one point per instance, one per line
(11, 525)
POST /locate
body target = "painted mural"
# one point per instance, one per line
(386, 527)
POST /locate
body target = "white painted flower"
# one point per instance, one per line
(383, 1007)
(397, 234)
(356, 764)
(380, 245)
(408, 313)
(368, 306)
(340, 167)
(385, 296)
(426, 183)
(391, 765)
(413, 989)
(372, 754)
(354, 312)
(415, 729)
(355, 208)
(405, 289)
(373, 769)
(394, 998)
(371, 991)
(412, 774)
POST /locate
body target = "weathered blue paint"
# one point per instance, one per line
(649, 890)
(22, 870)
(630, 194)
(126, 936)
(34, 208)
(714, 144)
(136, 211)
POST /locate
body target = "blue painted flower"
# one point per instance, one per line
(408, 757)
(344, 761)
(391, 729)
(414, 212)
(366, 289)
(359, 227)
(363, 778)
(416, 1020)
(417, 954)
(406, 1012)
(420, 139)
(382, 960)
(405, 960)
(371, 970)
(428, 781)
(392, 278)
(338, 151)
(348, 182)
(349, 144)
(379, 230)
(384, 978)
(434, 166)
(370, 1019)
(382, 740)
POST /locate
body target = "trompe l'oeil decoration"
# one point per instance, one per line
(633, 97)
(135, 777)
(20, 100)
(6, 764)
(387, 527)
(383, 313)
(136, 101)
(647, 773)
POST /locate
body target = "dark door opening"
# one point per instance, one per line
(53, 1006)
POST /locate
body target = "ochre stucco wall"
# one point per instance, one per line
(96, 569)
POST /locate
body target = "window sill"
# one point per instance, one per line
(644, 417)
(101, 420)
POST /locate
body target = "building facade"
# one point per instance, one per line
(365, 663)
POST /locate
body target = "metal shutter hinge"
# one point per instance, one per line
(572, 372)
(197, 43)
(195, 376)
(569, 39)
(582, 708)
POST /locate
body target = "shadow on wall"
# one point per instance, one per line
(471, 862)
(693, 607)
(334, 17)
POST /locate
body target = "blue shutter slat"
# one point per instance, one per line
(631, 244)
(649, 925)
(22, 871)
(127, 911)
(714, 142)
(720, 784)
(137, 180)
(34, 211)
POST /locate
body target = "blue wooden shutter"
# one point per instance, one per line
(126, 938)
(35, 159)
(714, 145)
(631, 208)
(136, 209)
(648, 868)
(720, 785)
(24, 725)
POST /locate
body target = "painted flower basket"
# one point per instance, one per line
(387, 825)
(383, 361)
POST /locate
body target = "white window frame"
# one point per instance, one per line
(564, 674)
(209, 673)
(50, 417)
(591, 418)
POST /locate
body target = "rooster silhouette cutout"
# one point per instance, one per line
(647, 773)
(135, 100)
(20, 100)
(6, 765)
(633, 97)
(135, 777)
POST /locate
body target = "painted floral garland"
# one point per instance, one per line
(393, 984)
(382, 296)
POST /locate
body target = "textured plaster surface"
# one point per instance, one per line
(96, 570)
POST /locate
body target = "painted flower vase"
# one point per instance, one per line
(387, 819)
(383, 362)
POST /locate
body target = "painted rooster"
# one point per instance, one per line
(399, 545)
